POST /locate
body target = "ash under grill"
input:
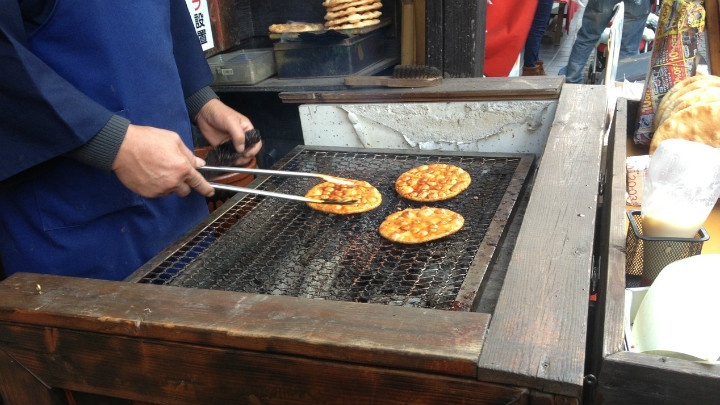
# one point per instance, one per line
(268, 245)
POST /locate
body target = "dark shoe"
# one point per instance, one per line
(536, 70)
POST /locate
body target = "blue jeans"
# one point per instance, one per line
(539, 24)
(596, 17)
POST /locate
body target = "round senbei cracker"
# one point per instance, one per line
(433, 182)
(348, 26)
(699, 96)
(295, 27)
(332, 15)
(352, 18)
(679, 90)
(699, 123)
(356, 3)
(335, 3)
(420, 225)
(368, 197)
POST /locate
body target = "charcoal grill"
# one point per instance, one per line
(273, 246)
(156, 344)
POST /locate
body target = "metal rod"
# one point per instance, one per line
(247, 190)
(267, 172)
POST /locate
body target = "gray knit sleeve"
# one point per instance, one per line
(102, 149)
(198, 100)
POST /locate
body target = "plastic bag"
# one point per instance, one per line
(681, 188)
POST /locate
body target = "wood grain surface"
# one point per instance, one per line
(537, 334)
(468, 89)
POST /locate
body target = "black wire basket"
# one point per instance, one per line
(662, 251)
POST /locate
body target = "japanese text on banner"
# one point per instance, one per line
(201, 19)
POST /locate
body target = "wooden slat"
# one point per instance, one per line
(455, 35)
(468, 89)
(420, 40)
(611, 290)
(632, 378)
(19, 386)
(712, 25)
(538, 332)
(444, 342)
(434, 23)
(464, 38)
(543, 398)
(162, 372)
(608, 332)
(230, 22)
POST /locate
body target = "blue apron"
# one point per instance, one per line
(75, 220)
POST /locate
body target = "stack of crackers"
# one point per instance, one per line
(348, 14)
(689, 110)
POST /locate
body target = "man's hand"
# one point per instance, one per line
(218, 123)
(154, 162)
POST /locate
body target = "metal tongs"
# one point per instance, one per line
(326, 177)
(220, 158)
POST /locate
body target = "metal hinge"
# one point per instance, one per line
(595, 273)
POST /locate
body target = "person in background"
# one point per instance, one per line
(596, 17)
(97, 170)
(532, 65)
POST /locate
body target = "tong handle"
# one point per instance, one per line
(238, 189)
(268, 172)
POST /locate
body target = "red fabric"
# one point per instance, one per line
(507, 25)
(572, 8)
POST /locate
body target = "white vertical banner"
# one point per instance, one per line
(201, 19)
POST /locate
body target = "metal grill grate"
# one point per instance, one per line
(275, 246)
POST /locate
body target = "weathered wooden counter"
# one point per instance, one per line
(64, 340)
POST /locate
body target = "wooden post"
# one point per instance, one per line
(455, 35)
(712, 19)
(407, 41)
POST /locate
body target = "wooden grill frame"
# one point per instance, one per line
(162, 344)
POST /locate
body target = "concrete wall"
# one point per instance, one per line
(482, 126)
